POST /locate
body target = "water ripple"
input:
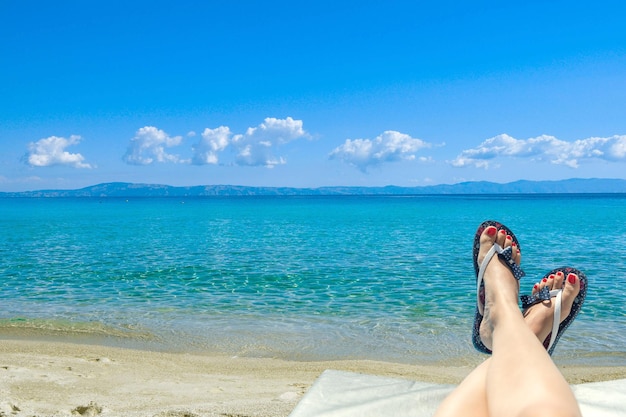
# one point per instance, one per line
(372, 277)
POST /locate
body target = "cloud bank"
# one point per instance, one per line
(51, 151)
(261, 146)
(254, 148)
(391, 146)
(543, 148)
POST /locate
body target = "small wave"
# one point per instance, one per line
(33, 328)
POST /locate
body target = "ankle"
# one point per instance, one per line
(503, 311)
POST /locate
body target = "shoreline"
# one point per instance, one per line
(40, 378)
(457, 352)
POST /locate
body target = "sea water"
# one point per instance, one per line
(299, 277)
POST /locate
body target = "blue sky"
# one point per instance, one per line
(309, 94)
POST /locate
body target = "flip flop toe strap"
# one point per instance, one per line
(530, 300)
(545, 294)
(507, 256)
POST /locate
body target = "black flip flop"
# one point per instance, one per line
(506, 256)
(558, 327)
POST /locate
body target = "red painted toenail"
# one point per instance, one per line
(551, 276)
(544, 280)
(514, 244)
(536, 286)
(491, 231)
(571, 278)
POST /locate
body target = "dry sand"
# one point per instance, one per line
(61, 379)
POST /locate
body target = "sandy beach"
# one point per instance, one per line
(61, 379)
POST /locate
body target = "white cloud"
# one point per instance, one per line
(544, 148)
(277, 131)
(149, 146)
(51, 151)
(213, 141)
(255, 147)
(391, 146)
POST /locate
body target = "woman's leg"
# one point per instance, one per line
(469, 398)
(520, 378)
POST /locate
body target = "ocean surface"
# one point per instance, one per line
(299, 278)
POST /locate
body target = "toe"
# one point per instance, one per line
(571, 289)
(501, 237)
(487, 239)
(488, 235)
(573, 280)
(517, 254)
(508, 241)
(559, 280)
(543, 282)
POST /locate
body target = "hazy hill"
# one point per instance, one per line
(119, 189)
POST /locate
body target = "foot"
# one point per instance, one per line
(501, 288)
(540, 317)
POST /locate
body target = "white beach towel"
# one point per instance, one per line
(347, 394)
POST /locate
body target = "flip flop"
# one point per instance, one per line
(507, 256)
(558, 327)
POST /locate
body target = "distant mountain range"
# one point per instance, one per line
(122, 189)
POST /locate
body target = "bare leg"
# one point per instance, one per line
(469, 399)
(520, 378)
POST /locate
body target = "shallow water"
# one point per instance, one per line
(387, 278)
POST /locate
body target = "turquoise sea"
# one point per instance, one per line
(301, 278)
